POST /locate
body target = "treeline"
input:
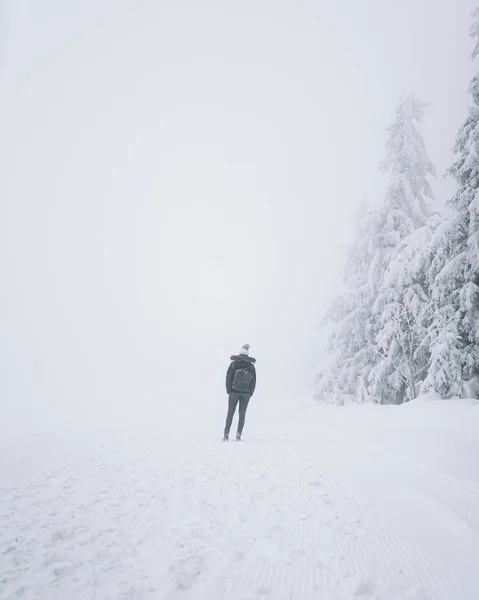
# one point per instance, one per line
(408, 320)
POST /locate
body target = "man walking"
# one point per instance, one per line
(240, 386)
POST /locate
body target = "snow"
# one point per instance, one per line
(377, 352)
(318, 502)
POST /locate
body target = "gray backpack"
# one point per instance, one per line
(242, 380)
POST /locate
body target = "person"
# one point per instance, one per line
(240, 386)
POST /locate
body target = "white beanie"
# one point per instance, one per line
(244, 349)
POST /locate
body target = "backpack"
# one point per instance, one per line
(242, 380)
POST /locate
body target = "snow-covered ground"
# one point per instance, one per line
(316, 503)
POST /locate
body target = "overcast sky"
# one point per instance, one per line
(178, 178)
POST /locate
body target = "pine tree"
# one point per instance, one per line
(372, 348)
(444, 373)
(403, 294)
(402, 303)
(349, 355)
(454, 272)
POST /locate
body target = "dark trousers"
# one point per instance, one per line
(233, 400)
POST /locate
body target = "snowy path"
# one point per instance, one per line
(326, 509)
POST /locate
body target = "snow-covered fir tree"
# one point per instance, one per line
(453, 331)
(444, 374)
(400, 362)
(402, 304)
(350, 348)
(373, 345)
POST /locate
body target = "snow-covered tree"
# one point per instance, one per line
(402, 304)
(373, 346)
(454, 271)
(444, 374)
(349, 355)
(409, 166)
(403, 293)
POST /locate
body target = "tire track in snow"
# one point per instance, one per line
(355, 539)
(462, 499)
(203, 520)
(317, 537)
(399, 545)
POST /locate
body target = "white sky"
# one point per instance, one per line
(178, 178)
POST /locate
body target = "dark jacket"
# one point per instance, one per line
(241, 362)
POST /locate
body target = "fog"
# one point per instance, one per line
(179, 178)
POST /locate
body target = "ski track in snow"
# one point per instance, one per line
(273, 518)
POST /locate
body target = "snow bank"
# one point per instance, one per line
(444, 434)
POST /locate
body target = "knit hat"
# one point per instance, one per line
(244, 349)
